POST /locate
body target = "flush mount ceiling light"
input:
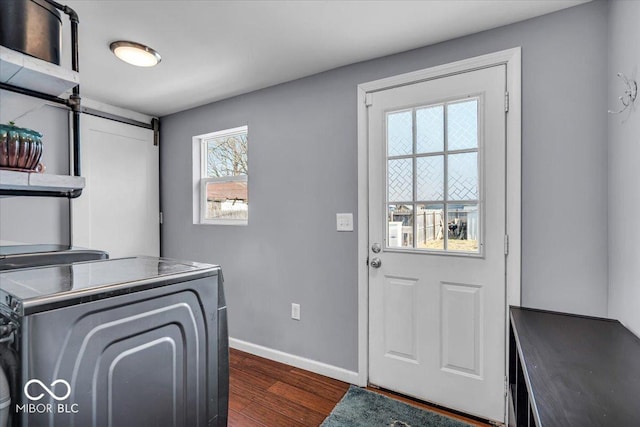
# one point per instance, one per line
(135, 53)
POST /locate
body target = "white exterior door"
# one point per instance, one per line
(118, 210)
(437, 215)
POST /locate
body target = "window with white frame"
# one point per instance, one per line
(223, 184)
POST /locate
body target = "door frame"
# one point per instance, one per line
(512, 59)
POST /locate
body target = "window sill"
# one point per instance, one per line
(223, 222)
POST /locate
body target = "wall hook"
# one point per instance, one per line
(630, 94)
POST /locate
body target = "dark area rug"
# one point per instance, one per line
(362, 408)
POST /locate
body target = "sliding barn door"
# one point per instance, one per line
(119, 209)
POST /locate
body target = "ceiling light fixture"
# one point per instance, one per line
(135, 53)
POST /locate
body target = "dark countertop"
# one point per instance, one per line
(580, 371)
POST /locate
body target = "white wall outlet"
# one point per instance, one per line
(344, 222)
(295, 311)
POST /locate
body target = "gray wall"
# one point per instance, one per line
(302, 149)
(624, 154)
(39, 219)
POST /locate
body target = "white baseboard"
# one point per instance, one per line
(296, 361)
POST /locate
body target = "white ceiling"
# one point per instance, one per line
(213, 50)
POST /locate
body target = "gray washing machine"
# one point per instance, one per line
(123, 342)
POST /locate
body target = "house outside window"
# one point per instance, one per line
(224, 171)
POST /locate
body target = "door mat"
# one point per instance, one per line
(362, 408)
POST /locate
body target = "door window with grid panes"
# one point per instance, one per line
(433, 178)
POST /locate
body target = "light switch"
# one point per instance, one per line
(344, 222)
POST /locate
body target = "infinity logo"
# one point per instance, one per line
(48, 390)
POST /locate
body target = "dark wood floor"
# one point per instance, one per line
(264, 393)
(269, 394)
